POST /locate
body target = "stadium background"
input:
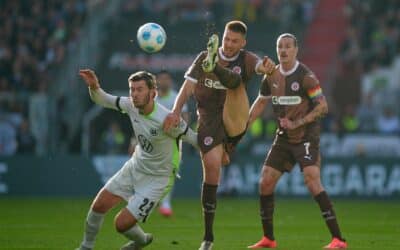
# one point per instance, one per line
(55, 143)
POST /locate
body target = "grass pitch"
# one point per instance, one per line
(56, 223)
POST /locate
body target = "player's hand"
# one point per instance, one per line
(225, 158)
(171, 120)
(269, 65)
(285, 123)
(90, 78)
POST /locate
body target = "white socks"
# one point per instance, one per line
(166, 201)
(136, 234)
(94, 221)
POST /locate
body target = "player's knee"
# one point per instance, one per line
(120, 224)
(266, 185)
(212, 172)
(313, 183)
(99, 207)
(124, 220)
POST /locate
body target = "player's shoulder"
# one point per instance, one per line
(304, 69)
(160, 111)
(307, 74)
(125, 104)
(199, 58)
(248, 55)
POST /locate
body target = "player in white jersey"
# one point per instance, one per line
(166, 96)
(148, 174)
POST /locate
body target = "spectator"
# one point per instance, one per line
(366, 114)
(39, 118)
(349, 121)
(8, 142)
(25, 139)
(388, 122)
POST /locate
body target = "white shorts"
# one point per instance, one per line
(141, 191)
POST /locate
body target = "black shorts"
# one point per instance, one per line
(283, 155)
(210, 133)
(232, 142)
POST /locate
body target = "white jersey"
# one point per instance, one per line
(157, 152)
(169, 99)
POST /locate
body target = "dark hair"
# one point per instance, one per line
(237, 26)
(149, 78)
(290, 36)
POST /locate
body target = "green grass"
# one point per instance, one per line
(58, 224)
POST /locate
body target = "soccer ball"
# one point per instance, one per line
(151, 37)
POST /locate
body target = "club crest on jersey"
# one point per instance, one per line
(295, 86)
(153, 132)
(237, 69)
(208, 140)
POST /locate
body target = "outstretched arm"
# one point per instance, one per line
(172, 120)
(257, 108)
(266, 67)
(97, 95)
(90, 78)
(184, 132)
(191, 137)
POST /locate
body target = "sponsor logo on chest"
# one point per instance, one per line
(214, 84)
(286, 100)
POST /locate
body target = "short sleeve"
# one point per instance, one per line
(194, 71)
(312, 86)
(123, 104)
(251, 62)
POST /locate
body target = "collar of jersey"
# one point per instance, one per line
(286, 73)
(152, 112)
(228, 59)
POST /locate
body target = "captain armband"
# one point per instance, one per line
(118, 105)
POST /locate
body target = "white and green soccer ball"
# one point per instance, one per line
(151, 37)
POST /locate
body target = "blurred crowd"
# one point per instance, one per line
(284, 12)
(34, 39)
(366, 91)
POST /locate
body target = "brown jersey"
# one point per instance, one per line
(210, 94)
(293, 95)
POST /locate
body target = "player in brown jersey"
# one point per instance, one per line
(298, 103)
(217, 79)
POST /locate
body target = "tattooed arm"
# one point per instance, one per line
(318, 112)
(320, 109)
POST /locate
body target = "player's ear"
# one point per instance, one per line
(153, 93)
(244, 43)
